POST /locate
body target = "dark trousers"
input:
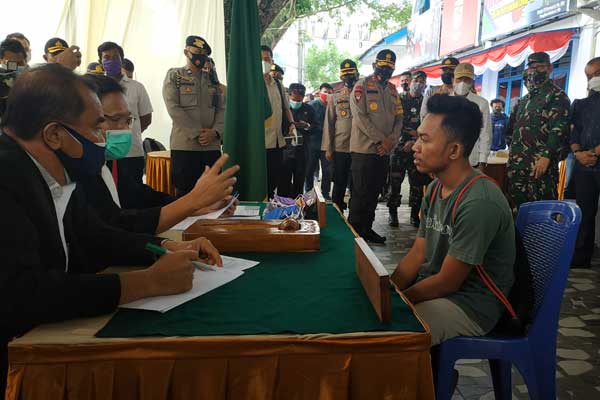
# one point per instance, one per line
(325, 175)
(587, 188)
(292, 172)
(368, 176)
(3, 366)
(341, 177)
(188, 166)
(313, 153)
(129, 180)
(274, 165)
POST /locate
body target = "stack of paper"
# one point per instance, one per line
(189, 221)
(204, 282)
(247, 212)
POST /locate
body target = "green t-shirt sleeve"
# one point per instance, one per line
(425, 209)
(476, 223)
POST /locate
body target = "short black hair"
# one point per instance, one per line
(12, 45)
(326, 86)
(41, 95)
(128, 65)
(300, 88)
(497, 101)
(406, 73)
(462, 119)
(266, 48)
(18, 35)
(593, 61)
(109, 46)
(103, 84)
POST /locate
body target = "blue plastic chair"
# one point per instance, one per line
(548, 230)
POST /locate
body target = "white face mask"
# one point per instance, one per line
(594, 84)
(266, 66)
(462, 89)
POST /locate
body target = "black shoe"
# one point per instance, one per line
(579, 261)
(372, 237)
(393, 218)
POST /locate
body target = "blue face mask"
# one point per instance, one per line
(295, 104)
(89, 164)
(118, 143)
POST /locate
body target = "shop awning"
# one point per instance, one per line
(513, 53)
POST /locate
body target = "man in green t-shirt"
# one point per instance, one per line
(438, 274)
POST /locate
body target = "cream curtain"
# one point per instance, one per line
(152, 33)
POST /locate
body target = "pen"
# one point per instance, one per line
(161, 251)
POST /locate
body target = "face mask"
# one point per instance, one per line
(384, 73)
(417, 88)
(266, 66)
(462, 89)
(447, 77)
(594, 84)
(112, 67)
(323, 97)
(295, 104)
(198, 59)
(118, 143)
(89, 164)
(498, 112)
(349, 81)
(28, 57)
(534, 79)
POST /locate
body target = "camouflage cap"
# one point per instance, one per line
(464, 70)
(539, 57)
(199, 43)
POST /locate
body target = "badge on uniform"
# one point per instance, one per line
(373, 106)
(358, 92)
(344, 113)
(344, 92)
(187, 89)
(413, 110)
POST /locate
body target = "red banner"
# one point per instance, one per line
(460, 21)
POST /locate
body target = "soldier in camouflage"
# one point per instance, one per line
(537, 132)
(402, 161)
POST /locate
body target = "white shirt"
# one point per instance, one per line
(61, 195)
(481, 150)
(110, 184)
(139, 104)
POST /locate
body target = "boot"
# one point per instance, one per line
(414, 217)
(393, 218)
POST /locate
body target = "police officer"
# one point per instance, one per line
(402, 161)
(336, 132)
(376, 125)
(448, 66)
(277, 72)
(538, 128)
(196, 105)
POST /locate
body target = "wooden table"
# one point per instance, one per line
(158, 171)
(65, 360)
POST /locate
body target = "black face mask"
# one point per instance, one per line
(198, 59)
(447, 77)
(405, 86)
(349, 80)
(384, 73)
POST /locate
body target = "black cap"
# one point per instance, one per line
(94, 68)
(348, 67)
(386, 58)
(277, 68)
(297, 87)
(199, 43)
(55, 46)
(419, 74)
(450, 62)
(540, 57)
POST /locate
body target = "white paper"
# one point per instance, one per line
(247, 211)
(189, 221)
(204, 282)
(237, 264)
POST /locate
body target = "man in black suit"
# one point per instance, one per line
(52, 244)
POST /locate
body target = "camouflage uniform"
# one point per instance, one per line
(403, 162)
(538, 127)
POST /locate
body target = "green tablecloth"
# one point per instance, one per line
(297, 293)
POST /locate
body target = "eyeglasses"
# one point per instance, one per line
(118, 120)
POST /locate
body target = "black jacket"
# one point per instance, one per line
(34, 287)
(131, 220)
